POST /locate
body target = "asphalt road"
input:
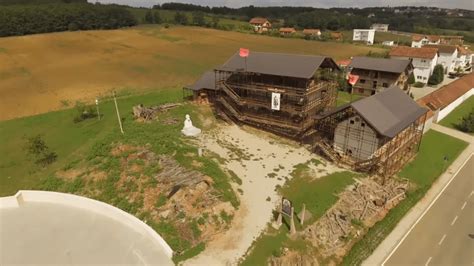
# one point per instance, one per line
(441, 237)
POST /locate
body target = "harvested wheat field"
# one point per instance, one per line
(40, 73)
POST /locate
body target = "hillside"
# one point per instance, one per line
(44, 72)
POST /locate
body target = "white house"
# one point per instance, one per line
(365, 35)
(448, 55)
(421, 40)
(424, 60)
(388, 43)
(379, 27)
(464, 59)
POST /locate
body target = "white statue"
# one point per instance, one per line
(188, 129)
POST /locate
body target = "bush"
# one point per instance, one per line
(36, 147)
(419, 84)
(411, 79)
(467, 123)
(84, 112)
(438, 75)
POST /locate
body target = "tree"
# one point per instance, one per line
(198, 18)
(149, 18)
(437, 76)
(180, 18)
(411, 78)
(467, 123)
(157, 17)
(215, 22)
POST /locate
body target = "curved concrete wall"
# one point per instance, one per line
(88, 204)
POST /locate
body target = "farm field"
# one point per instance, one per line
(457, 114)
(46, 72)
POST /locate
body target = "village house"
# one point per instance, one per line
(287, 31)
(418, 41)
(379, 27)
(447, 56)
(452, 40)
(464, 59)
(280, 93)
(378, 74)
(260, 24)
(312, 33)
(364, 35)
(423, 60)
(337, 36)
(377, 134)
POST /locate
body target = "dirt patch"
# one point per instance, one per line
(70, 174)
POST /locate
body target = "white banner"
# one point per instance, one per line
(275, 101)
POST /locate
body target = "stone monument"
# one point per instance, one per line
(188, 129)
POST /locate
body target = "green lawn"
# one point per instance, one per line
(456, 115)
(428, 165)
(345, 97)
(318, 195)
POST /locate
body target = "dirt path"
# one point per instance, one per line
(252, 157)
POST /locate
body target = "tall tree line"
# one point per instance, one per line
(41, 18)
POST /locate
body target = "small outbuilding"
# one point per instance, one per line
(203, 90)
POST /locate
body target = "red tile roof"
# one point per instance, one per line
(442, 97)
(311, 31)
(405, 51)
(344, 62)
(258, 20)
(287, 30)
(445, 49)
(431, 38)
(464, 51)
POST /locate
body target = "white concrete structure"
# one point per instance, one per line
(418, 41)
(448, 55)
(388, 43)
(365, 35)
(423, 59)
(379, 27)
(440, 114)
(464, 59)
(41, 227)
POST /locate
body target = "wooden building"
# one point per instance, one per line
(378, 74)
(203, 90)
(281, 93)
(378, 134)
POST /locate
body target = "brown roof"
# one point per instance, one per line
(311, 31)
(442, 97)
(258, 20)
(464, 51)
(380, 64)
(445, 49)
(390, 111)
(206, 81)
(431, 38)
(290, 30)
(287, 65)
(344, 62)
(405, 51)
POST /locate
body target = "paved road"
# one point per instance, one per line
(441, 237)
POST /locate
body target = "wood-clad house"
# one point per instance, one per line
(378, 74)
(281, 93)
(378, 134)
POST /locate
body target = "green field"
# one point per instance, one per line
(457, 114)
(345, 97)
(428, 165)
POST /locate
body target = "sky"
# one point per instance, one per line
(464, 4)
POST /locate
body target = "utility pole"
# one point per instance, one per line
(97, 104)
(118, 114)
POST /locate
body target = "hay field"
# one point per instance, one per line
(45, 72)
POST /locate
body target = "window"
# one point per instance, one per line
(423, 61)
(362, 124)
(419, 77)
(360, 90)
(424, 78)
(351, 121)
(362, 81)
(385, 85)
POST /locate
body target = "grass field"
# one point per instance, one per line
(44, 72)
(345, 97)
(428, 165)
(457, 114)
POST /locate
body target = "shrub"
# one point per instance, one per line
(411, 79)
(419, 84)
(437, 76)
(36, 147)
(467, 123)
(84, 112)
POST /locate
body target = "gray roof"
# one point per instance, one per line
(390, 111)
(207, 81)
(288, 65)
(380, 64)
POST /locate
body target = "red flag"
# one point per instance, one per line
(353, 79)
(244, 52)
